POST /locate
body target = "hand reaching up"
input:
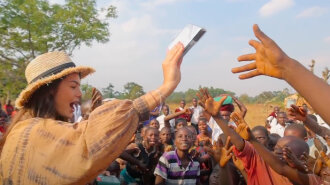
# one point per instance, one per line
(242, 127)
(208, 103)
(269, 58)
(293, 161)
(221, 153)
(238, 163)
(298, 113)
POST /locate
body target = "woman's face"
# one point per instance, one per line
(67, 95)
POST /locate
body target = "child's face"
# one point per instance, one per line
(151, 137)
(183, 140)
(154, 123)
(261, 137)
(165, 110)
(165, 136)
(180, 125)
(122, 163)
(202, 127)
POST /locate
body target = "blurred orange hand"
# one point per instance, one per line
(298, 113)
(207, 101)
(325, 158)
(221, 153)
(269, 58)
(242, 127)
(238, 163)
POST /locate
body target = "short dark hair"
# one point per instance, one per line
(180, 120)
(260, 128)
(202, 119)
(298, 127)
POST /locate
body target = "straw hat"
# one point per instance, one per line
(46, 68)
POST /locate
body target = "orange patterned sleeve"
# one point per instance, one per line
(46, 151)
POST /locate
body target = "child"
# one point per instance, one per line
(166, 140)
(140, 167)
(203, 137)
(179, 123)
(177, 167)
(154, 123)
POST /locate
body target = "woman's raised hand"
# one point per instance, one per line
(171, 69)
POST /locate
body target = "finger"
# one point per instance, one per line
(206, 93)
(260, 35)
(175, 51)
(227, 142)
(180, 62)
(247, 67)
(222, 100)
(255, 44)
(247, 57)
(232, 127)
(250, 74)
(231, 149)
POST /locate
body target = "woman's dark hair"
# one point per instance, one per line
(42, 104)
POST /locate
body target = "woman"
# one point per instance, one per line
(41, 147)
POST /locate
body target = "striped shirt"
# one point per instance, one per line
(170, 168)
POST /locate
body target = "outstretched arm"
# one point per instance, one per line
(270, 60)
(171, 116)
(300, 114)
(212, 108)
(278, 165)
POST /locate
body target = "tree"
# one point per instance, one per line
(87, 91)
(32, 27)
(132, 90)
(109, 92)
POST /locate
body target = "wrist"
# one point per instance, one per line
(165, 90)
(289, 67)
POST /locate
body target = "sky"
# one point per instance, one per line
(144, 29)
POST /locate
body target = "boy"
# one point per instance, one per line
(177, 167)
(166, 140)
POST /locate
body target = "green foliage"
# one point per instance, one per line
(108, 92)
(32, 27)
(188, 95)
(132, 90)
(86, 92)
(276, 97)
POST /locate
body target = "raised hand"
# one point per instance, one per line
(96, 98)
(269, 58)
(325, 158)
(208, 103)
(242, 127)
(169, 148)
(238, 163)
(293, 161)
(221, 153)
(171, 69)
(298, 113)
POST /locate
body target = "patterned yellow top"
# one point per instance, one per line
(47, 151)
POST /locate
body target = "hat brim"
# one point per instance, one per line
(31, 88)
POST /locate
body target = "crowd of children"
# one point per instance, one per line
(207, 143)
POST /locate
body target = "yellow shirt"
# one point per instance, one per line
(47, 151)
